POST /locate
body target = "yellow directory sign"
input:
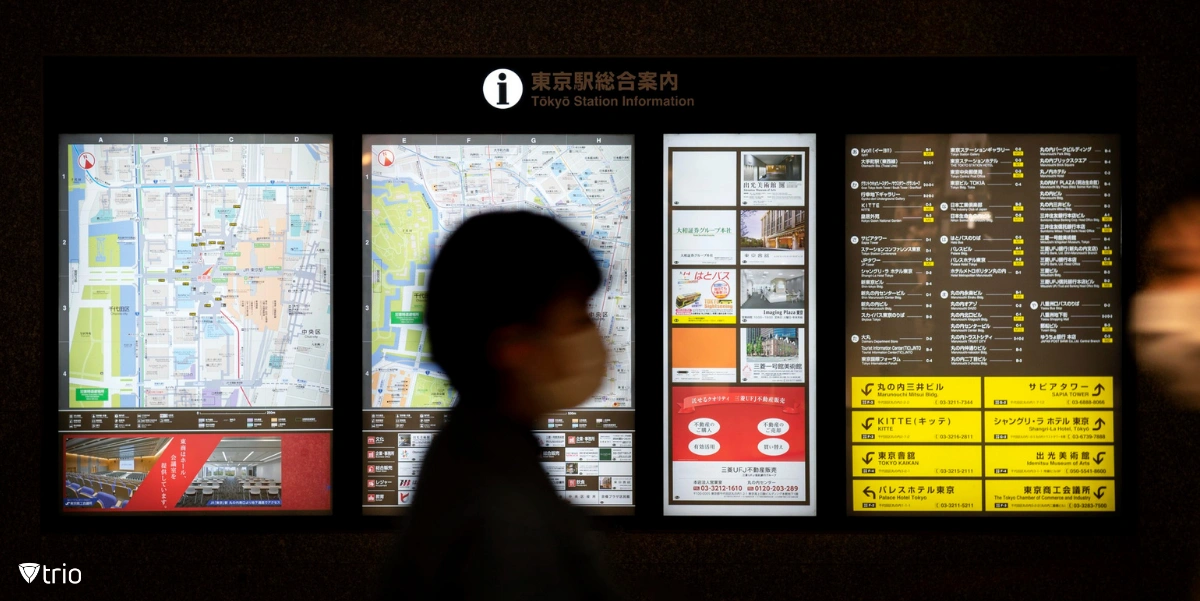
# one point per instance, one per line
(1050, 495)
(1050, 460)
(917, 460)
(986, 352)
(1061, 426)
(1061, 392)
(917, 495)
(887, 392)
(916, 426)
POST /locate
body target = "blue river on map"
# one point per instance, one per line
(128, 334)
(74, 197)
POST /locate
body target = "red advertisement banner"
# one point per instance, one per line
(304, 467)
(787, 403)
(738, 423)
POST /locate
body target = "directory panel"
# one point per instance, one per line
(417, 189)
(739, 374)
(984, 326)
(194, 331)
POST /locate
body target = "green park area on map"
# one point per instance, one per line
(431, 392)
(400, 240)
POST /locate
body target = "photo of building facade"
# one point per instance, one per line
(772, 342)
(783, 228)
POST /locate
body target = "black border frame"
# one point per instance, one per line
(836, 96)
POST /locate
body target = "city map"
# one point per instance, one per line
(198, 274)
(421, 193)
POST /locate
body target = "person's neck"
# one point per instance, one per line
(514, 402)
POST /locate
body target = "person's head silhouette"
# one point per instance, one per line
(507, 315)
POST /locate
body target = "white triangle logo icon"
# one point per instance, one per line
(29, 570)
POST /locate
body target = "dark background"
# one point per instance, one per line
(1155, 558)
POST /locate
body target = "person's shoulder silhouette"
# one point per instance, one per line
(508, 323)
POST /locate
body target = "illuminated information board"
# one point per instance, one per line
(738, 314)
(194, 332)
(417, 189)
(983, 323)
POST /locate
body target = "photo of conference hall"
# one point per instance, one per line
(242, 471)
(106, 472)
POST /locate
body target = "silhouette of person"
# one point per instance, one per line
(507, 318)
(1165, 329)
(1166, 312)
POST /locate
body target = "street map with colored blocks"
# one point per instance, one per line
(198, 275)
(421, 193)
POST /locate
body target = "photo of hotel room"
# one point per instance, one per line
(240, 472)
(106, 472)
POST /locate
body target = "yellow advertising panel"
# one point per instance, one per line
(1048, 426)
(1050, 495)
(1059, 392)
(910, 461)
(917, 495)
(871, 425)
(1043, 461)
(915, 392)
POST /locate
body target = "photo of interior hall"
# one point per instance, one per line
(242, 471)
(772, 288)
(772, 167)
(106, 472)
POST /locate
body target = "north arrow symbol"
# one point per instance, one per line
(869, 457)
(1100, 492)
(870, 493)
(867, 424)
(1099, 388)
(1098, 458)
(1099, 424)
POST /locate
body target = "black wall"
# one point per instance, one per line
(1157, 560)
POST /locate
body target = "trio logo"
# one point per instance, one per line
(502, 88)
(29, 571)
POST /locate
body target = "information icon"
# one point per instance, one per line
(502, 88)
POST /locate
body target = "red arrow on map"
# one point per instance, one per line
(86, 160)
